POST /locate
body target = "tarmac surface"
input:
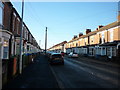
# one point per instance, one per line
(36, 75)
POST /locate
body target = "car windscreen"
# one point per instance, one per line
(56, 56)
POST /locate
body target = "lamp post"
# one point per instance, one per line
(45, 40)
(21, 36)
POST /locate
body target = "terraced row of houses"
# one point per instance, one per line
(104, 42)
(10, 23)
(10, 27)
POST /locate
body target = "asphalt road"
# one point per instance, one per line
(75, 73)
(84, 73)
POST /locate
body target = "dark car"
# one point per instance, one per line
(56, 58)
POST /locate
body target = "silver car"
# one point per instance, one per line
(73, 55)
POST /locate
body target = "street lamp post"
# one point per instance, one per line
(21, 36)
(45, 40)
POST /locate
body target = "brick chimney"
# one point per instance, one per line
(75, 36)
(100, 26)
(88, 31)
(80, 34)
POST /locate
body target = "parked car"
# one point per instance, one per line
(73, 55)
(56, 58)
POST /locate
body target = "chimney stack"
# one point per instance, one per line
(75, 36)
(100, 26)
(80, 34)
(88, 31)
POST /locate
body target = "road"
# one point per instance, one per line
(85, 73)
(36, 75)
(75, 73)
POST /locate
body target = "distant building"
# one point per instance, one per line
(58, 47)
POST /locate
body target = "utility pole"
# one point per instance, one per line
(45, 40)
(39, 42)
(21, 36)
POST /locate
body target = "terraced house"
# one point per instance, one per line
(10, 27)
(102, 43)
(58, 47)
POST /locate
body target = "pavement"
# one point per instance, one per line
(36, 75)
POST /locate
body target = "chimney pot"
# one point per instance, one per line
(88, 31)
(80, 34)
(75, 36)
(100, 26)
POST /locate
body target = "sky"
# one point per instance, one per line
(65, 19)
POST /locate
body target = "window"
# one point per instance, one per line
(28, 48)
(1, 14)
(109, 52)
(5, 53)
(85, 50)
(113, 51)
(103, 37)
(5, 49)
(91, 51)
(103, 51)
(111, 35)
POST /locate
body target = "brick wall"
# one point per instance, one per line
(7, 15)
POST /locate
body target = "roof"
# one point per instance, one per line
(59, 44)
(111, 25)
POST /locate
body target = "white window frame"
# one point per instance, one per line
(91, 51)
(103, 37)
(5, 46)
(111, 35)
(103, 52)
(114, 51)
(97, 50)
